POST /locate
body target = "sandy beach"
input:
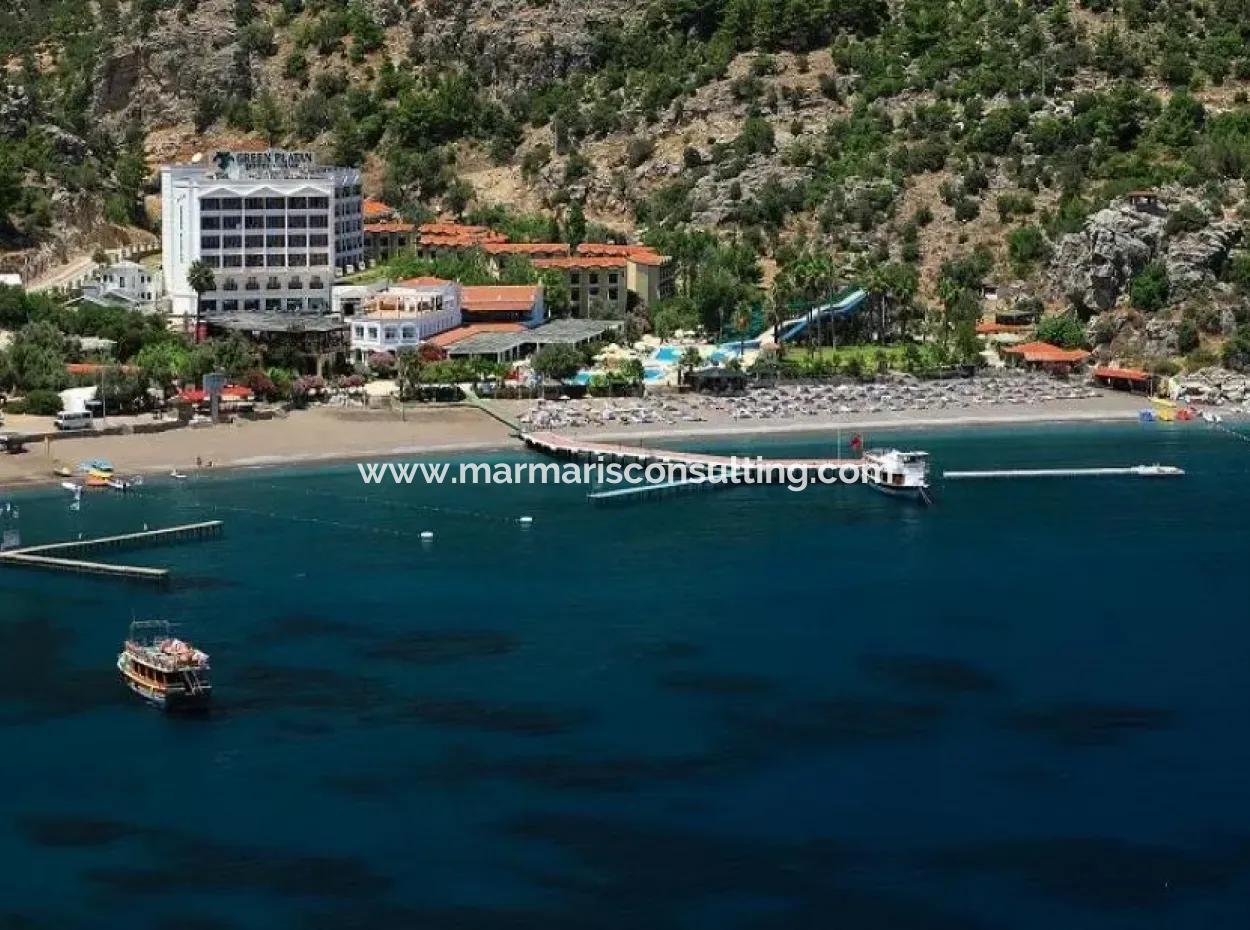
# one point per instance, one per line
(328, 434)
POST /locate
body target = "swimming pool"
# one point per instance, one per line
(667, 354)
(654, 373)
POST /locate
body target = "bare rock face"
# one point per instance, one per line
(15, 110)
(715, 198)
(1193, 259)
(1092, 267)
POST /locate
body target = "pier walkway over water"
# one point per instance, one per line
(56, 556)
(747, 467)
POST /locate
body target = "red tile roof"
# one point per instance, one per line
(499, 297)
(583, 261)
(1045, 352)
(526, 248)
(639, 254)
(375, 209)
(1123, 374)
(452, 336)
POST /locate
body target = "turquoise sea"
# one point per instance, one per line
(1024, 707)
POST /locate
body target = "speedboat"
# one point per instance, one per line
(177, 475)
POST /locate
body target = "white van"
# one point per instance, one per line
(78, 419)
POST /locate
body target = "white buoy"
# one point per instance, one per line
(525, 520)
(427, 534)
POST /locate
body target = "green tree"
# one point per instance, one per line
(37, 358)
(200, 279)
(1061, 329)
(575, 225)
(557, 362)
(1149, 291)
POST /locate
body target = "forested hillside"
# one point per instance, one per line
(928, 146)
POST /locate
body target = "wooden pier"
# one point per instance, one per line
(55, 556)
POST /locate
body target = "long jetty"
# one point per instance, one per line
(57, 556)
(1128, 471)
(754, 468)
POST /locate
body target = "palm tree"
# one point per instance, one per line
(742, 322)
(200, 278)
(689, 361)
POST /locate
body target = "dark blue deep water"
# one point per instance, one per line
(1025, 707)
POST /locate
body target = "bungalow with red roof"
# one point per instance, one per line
(597, 284)
(1044, 356)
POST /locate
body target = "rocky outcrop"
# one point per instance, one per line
(1128, 333)
(1092, 267)
(714, 199)
(1194, 259)
(1215, 386)
(16, 109)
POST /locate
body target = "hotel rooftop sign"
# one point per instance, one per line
(270, 163)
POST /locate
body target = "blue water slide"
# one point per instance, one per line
(843, 306)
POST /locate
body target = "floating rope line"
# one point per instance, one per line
(1231, 432)
(416, 508)
(378, 530)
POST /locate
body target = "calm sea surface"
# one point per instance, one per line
(1025, 707)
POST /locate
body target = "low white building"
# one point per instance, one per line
(9, 279)
(404, 315)
(126, 284)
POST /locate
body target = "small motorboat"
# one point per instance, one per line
(177, 475)
(63, 472)
(74, 489)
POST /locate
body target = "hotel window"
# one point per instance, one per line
(230, 285)
(613, 293)
(251, 284)
(319, 222)
(232, 242)
(210, 242)
(210, 203)
(294, 305)
(612, 277)
(373, 332)
(273, 304)
(275, 261)
(275, 222)
(229, 306)
(210, 222)
(297, 222)
(255, 203)
(274, 203)
(232, 222)
(275, 242)
(318, 239)
(297, 242)
(319, 258)
(251, 306)
(594, 277)
(410, 332)
(297, 203)
(389, 334)
(297, 284)
(575, 277)
(232, 203)
(297, 260)
(212, 261)
(575, 297)
(254, 222)
(254, 242)
(319, 203)
(273, 284)
(254, 261)
(360, 332)
(315, 283)
(210, 306)
(232, 261)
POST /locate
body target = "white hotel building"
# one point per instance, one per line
(275, 227)
(405, 315)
